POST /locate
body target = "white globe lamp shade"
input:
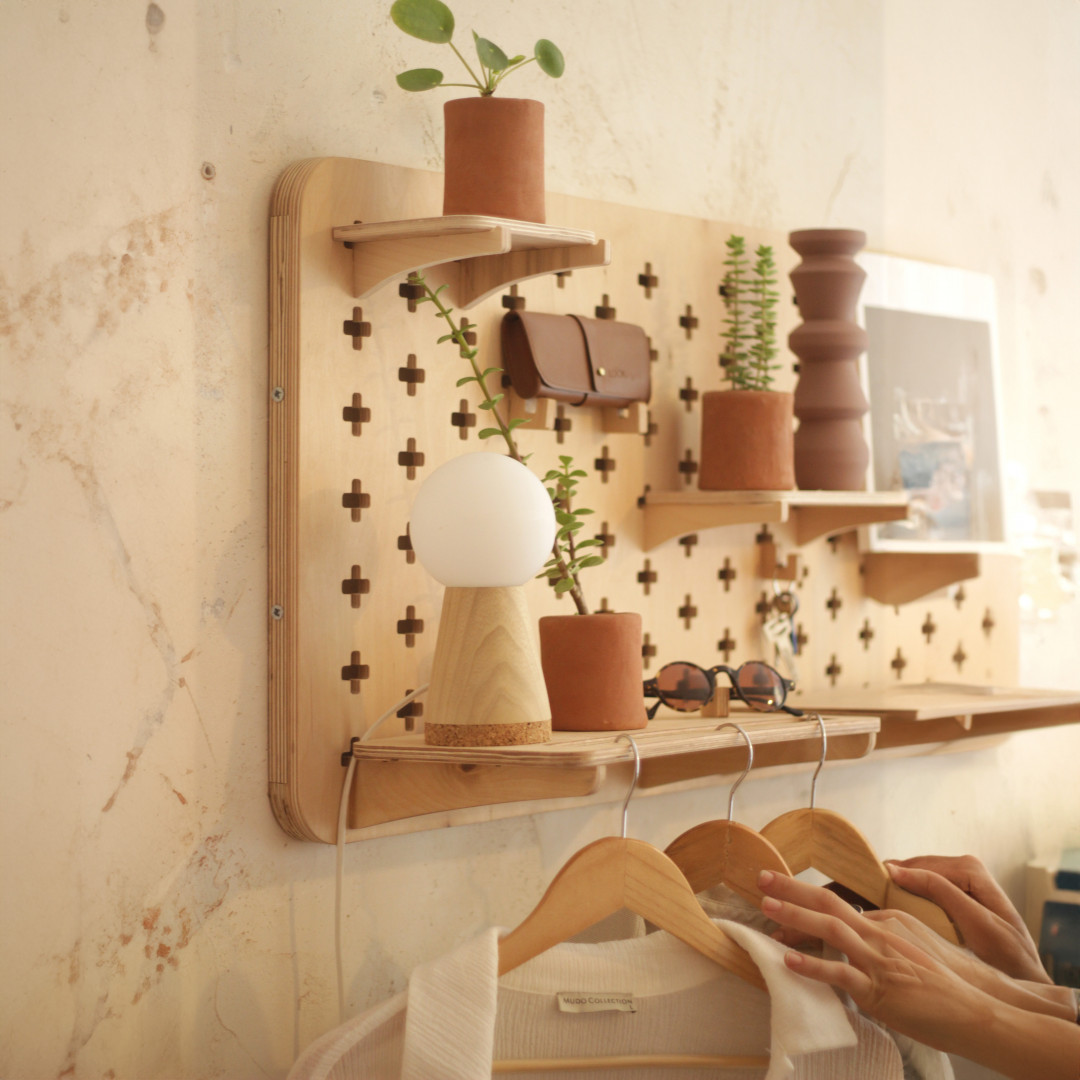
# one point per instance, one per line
(482, 520)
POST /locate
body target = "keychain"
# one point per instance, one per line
(779, 629)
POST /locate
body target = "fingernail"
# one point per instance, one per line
(895, 870)
(769, 903)
(765, 878)
(794, 959)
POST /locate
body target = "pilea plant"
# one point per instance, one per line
(750, 296)
(432, 20)
(565, 563)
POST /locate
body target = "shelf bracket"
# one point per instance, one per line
(898, 577)
(470, 282)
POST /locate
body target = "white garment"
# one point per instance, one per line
(457, 1016)
(920, 1062)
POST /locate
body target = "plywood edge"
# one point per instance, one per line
(283, 400)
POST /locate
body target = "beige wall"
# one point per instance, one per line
(155, 922)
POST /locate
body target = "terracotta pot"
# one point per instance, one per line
(592, 667)
(746, 441)
(830, 450)
(494, 157)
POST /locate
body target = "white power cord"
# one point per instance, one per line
(339, 873)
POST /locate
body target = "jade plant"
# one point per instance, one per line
(750, 296)
(566, 562)
(432, 20)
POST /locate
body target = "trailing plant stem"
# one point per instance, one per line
(469, 352)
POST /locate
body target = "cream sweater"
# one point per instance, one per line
(457, 1016)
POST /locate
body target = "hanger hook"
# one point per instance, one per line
(821, 762)
(633, 782)
(745, 773)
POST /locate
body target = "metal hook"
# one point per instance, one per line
(821, 762)
(633, 782)
(746, 772)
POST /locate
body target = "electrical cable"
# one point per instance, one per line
(339, 870)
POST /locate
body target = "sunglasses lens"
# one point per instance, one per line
(761, 687)
(684, 686)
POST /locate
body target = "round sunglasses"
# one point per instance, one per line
(686, 687)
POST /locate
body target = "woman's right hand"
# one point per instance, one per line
(895, 981)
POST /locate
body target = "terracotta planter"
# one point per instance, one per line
(592, 667)
(830, 450)
(494, 157)
(746, 441)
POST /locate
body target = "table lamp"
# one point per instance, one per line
(483, 525)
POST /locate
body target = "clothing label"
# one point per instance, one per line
(601, 1001)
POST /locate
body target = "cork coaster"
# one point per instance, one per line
(534, 731)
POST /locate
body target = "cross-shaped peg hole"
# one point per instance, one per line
(354, 671)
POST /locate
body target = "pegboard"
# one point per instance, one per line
(377, 409)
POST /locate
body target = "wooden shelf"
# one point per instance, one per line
(899, 577)
(474, 256)
(400, 778)
(922, 713)
(812, 513)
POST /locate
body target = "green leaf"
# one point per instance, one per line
(591, 542)
(579, 472)
(584, 510)
(563, 518)
(564, 586)
(591, 560)
(491, 56)
(517, 422)
(566, 460)
(489, 371)
(488, 432)
(548, 58)
(445, 337)
(417, 79)
(429, 20)
(465, 378)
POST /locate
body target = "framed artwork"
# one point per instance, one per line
(931, 375)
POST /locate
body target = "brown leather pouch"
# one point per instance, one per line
(577, 360)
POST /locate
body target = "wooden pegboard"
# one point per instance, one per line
(376, 408)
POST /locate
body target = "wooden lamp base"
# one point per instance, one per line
(487, 687)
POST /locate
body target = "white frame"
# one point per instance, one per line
(907, 285)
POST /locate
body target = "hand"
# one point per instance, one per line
(991, 927)
(894, 980)
(888, 976)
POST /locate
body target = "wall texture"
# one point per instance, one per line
(154, 920)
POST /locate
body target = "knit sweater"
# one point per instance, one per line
(647, 995)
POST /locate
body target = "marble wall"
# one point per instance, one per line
(155, 922)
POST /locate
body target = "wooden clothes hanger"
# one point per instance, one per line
(725, 852)
(829, 843)
(604, 877)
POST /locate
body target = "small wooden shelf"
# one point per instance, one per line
(922, 713)
(899, 577)
(400, 778)
(812, 513)
(474, 256)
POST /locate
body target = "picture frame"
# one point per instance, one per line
(934, 425)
